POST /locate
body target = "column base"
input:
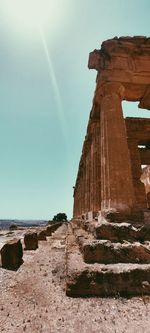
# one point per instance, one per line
(134, 215)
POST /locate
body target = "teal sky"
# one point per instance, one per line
(46, 95)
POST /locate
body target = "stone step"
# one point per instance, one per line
(102, 280)
(118, 232)
(106, 252)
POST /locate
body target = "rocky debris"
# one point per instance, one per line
(31, 241)
(84, 279)
(106, 252)
(11, 254)
(42, 235)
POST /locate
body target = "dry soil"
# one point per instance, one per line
(33, 299)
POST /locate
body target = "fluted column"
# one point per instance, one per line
(74, 203)
(86, 183)
(95, 168)
(97, 157)
(87, 176)
(92, 175)
(116, 181)
(82, 190)
(77, 200)
(83, 187)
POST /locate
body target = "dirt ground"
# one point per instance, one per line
(33, 299)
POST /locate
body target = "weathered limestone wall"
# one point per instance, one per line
(109, 172)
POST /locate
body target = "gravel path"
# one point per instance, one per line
(33, 299)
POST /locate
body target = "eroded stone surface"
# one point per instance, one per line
(31, 241)
(110, 166)
(42, 235)
(116, 232)
(103, 280)
(107, 252)
(122, 231)
(11, 254)
(43, 307)
(52, 228)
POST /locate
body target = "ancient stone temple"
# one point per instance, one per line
(114, 149)
(108, 243)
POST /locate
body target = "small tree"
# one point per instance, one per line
(60, 217)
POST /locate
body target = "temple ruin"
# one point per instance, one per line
(115, 148)
(108, 246)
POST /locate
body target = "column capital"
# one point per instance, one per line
(111, 88)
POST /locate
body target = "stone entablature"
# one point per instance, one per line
(125, 60)
(110, 166)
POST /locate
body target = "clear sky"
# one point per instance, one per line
(46, 94)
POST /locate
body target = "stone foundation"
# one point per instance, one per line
(124, 269)
(113, 256)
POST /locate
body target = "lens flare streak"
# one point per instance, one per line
(54, 84)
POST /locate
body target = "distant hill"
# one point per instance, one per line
(5, 224)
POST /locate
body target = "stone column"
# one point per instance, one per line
(82, 190)
(79, 202)
(139, 188)
(83, 187)
(90, 167)
(75, 203)
(95, 168)
(92, 174)
(117, 194)
(87, 179)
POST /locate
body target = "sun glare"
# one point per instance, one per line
(29, 15)
(32, 18)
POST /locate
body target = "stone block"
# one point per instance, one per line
(102, 280)
(49, 230)
(42, 235)
(116, 232)
(11, 254)
(103, 251)
(31, 241)
(52, 228)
